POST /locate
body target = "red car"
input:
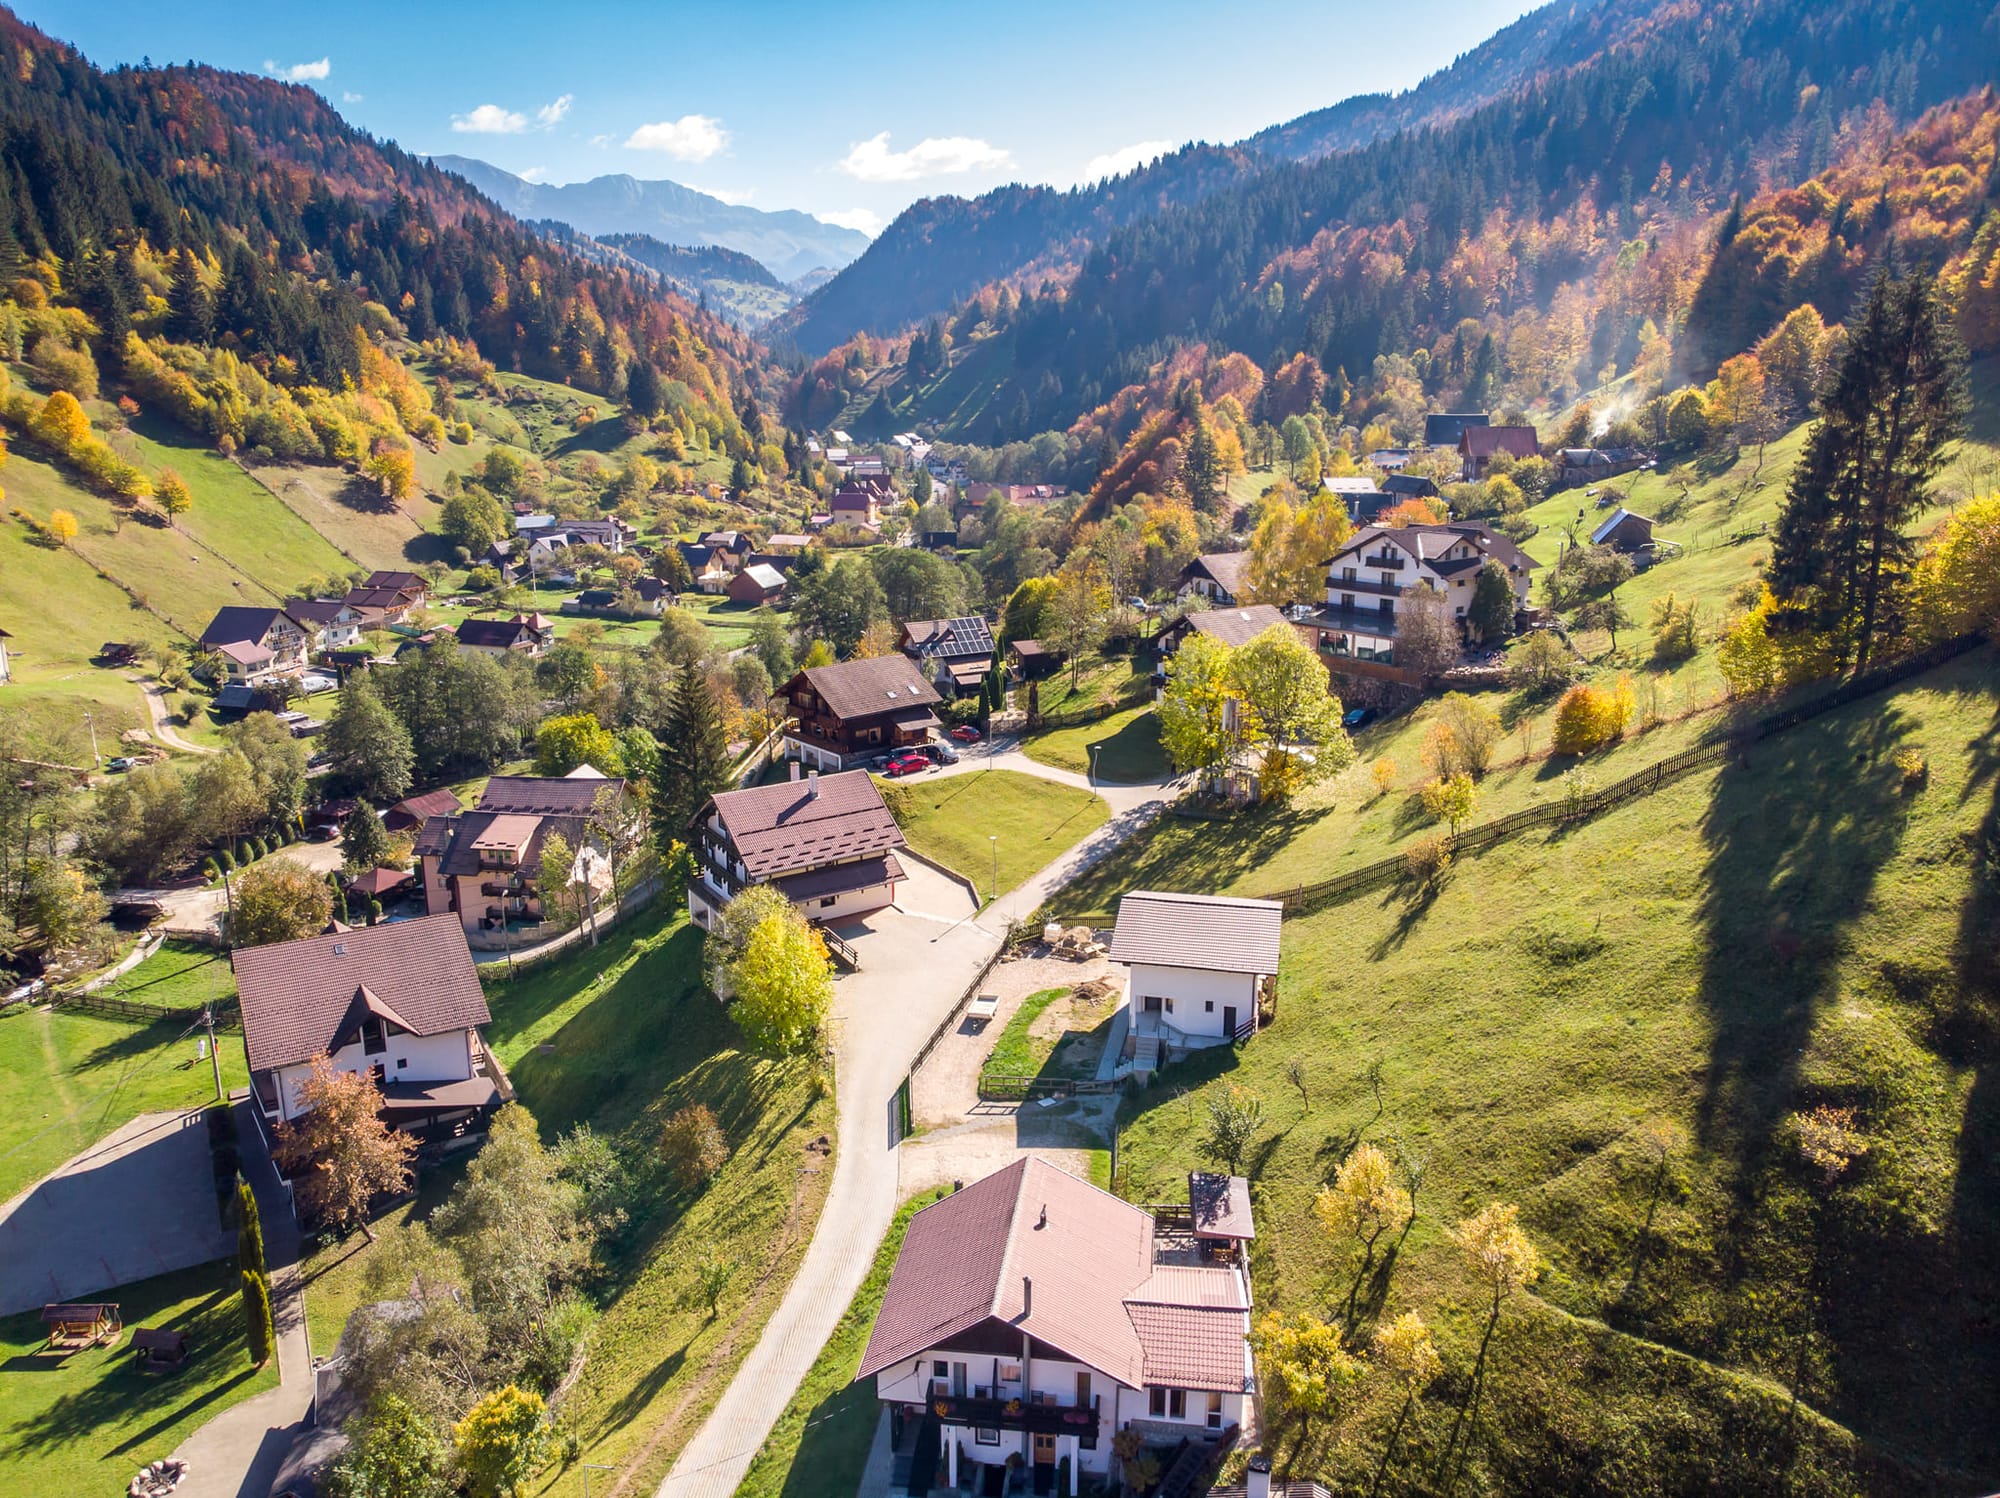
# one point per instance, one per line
(906, 764)
(965, 733)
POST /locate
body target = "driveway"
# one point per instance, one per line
(136, 1204)
(916, 963)
(197, 909)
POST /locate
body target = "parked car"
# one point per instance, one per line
(313, 683)
(1360, 717)
(120, 763)
(941, 753)
(965, 733)
(907, 764)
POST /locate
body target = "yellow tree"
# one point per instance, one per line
(61, 423)
(1451, 800)
(1201, 727)
(1078, 609)
(1364, 1202)
(1504, 1262)
(394, 467)
(1404, 1349)
(175, 497)
(1956, 586)
(1307, 1368)
(501, 1442)
(61, 527)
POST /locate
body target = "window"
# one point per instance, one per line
(1010, 1373)
(378, 1074)
(1208, 1006)
(940, 1369)
(1214, 1412)
(401, 1062)
(982, 1436)
(1168, 1404)
(828, 901)
(374, 1039)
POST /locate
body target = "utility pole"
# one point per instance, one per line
(96, 760)
(214, 1061)
(588, 1468)
(229, 905)
(994, 839)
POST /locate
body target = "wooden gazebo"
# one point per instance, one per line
(85, 1324)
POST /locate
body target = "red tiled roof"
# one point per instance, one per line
(544, 795)
(786, 826)
(1485, 442)
(1189, 1348)
(378, 882)
(421, 808)
(297, 994)
(841, 878)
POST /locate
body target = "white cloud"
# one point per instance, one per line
(600, 141)
(300, 72)
(873, 161)
(692, 137)
(1118, 163)
(867, 220)
(534, 174)
(735, 197)
(489, 119)
(349, 96)
(550, 115)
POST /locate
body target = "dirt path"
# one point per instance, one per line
(155, 693)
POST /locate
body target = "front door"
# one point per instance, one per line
(1151, 1003)
(1228, 1019)
(1045, 1450)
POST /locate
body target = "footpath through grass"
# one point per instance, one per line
(820, 1444)
(620, 1038)
(951, 818)
(1690, 970)
(84, 1424)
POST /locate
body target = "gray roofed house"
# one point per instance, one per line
(955, 652)
(1444, 428)
(1231, 626)
(1199, 968)
(829, 842)
(1218, 576)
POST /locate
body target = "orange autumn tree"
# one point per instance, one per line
(338, 1153)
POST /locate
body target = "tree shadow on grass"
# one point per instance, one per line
(635, 1400)
(1416, 901)
(1182, 855)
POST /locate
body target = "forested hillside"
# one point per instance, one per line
(1421, 246)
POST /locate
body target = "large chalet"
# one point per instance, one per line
(845, 715)
(827, 842)
(1379, 566)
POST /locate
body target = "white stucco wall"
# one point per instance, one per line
(1197, 995)
(409, 1058)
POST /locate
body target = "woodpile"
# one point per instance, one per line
(1076, 944)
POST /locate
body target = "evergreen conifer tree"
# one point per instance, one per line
(694, 752)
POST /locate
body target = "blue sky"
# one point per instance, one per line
(849, 113)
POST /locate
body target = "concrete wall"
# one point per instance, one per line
(1197, 996)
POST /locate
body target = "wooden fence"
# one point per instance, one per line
(227, 1015)
(1676, 767)
(1095, 713)
(1019, 1087)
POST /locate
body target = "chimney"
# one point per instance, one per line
(795, 768)
(1257, 1482)
(812, 783)
(1027, 1297)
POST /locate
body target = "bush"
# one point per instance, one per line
(1427, 859)
(243, 853)
(1676, 629)
(693, 1146)
(1914, 768)
(209, 872)
(227, 860)
(1590, 717)
(1541, 663)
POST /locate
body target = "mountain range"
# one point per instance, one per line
(787, 242)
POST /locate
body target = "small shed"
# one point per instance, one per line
(84, 1324)
(158, 1349)
(1624, 530)
(758, 583)
(1029, 660)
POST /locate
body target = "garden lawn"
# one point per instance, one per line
(951, 818)
(1127, 744)
(1703, 962)
(620, 1038)
(84, 1424)
(1099, 679)
(1019, 1053)
(68, 1079)
(820, 1444)
(1054, 1034)
(180, 975)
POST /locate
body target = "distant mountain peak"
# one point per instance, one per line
(787, 242)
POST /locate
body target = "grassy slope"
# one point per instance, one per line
(1744, 944)
(950, 819)
(68, 1079)
(820, 1444)
(86, 1423)
(621, 1038)
(1128, 747)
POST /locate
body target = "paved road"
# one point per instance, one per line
(915, 966)
(197, 908)
(138, 1203)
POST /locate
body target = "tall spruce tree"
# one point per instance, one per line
(694, 752)
(1842, 544)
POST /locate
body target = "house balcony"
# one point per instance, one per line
(1359, 585)
(1388, 562)
(1037, 1416)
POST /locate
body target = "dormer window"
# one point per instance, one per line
(374, 1036)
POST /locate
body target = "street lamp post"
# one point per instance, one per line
(588, 1468)
(994, 839)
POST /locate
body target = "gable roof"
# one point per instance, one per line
(1444, 428)
(1212, 933)
(1350, 487)
(298, 996)
(797, 824)
(410, 582)
(1410, 485)
(1045, 1255)
(1427, 543)
(865, 688)
(764, 575)
(1485, 441)
(948, 639)
(1225, 567)
(544, 795)
(1615, 519)
(441, 802)
(316, 611)
(1235, 627)
(244, 652)
(239, 623)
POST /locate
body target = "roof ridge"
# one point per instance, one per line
(1007, 1243)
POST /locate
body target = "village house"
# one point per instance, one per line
(735, 546)
(1593, 465)
(1380, 565)
(857, 504)
(486, 863)
(1402, 486)
(1217, 577)
(707, 565)
(256, 644)
(826, 842)
(332, 622)
(412, 812)
(758, 583)
(1197, 969)
(1031, 660)
(953, 653)
(1364, 501)
(1444, 428)
(1390, 459)
(846, 714)
(378, 608)
(786, 543)
(412, 583)
(524, 634)
(1480, 445)
(1232, 627)
(1031, 1316)
(400, 1002)
(1624, 530)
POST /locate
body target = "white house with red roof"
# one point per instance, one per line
(1033, 1315)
